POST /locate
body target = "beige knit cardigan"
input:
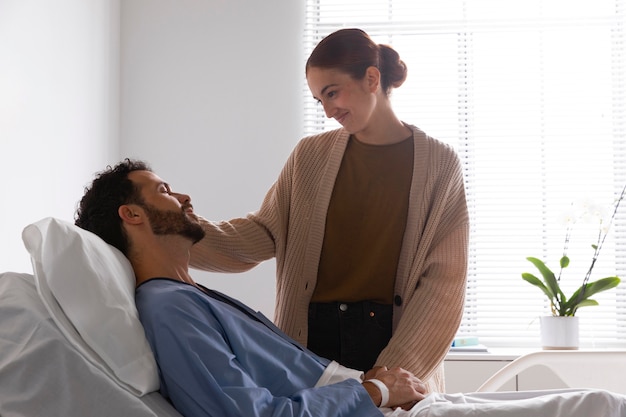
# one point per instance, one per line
(431, 276)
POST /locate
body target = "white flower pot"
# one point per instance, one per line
(559, 332)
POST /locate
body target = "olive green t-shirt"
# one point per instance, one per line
(365, 223)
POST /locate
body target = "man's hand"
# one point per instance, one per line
(405, 389)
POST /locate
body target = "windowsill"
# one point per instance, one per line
(494, 354)
(504, 353)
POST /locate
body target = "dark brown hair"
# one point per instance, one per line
(352, 51)
(97, 210)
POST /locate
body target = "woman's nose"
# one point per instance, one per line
(329, 110)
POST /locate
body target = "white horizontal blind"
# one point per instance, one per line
(532, 95)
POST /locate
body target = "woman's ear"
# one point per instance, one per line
(130, 213)
(372, 75)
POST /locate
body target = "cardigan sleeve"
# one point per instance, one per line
(242, 243)
(232, 246)
(434, 293)
(433, 313)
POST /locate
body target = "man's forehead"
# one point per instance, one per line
(143, 178)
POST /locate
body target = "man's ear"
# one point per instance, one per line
(372, 75)
(130, 213)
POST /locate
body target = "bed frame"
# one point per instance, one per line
(600, 369)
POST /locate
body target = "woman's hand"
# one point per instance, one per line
(405, 389)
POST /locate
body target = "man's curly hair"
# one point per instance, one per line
(98, 209)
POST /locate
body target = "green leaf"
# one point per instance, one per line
(549, 278)
(564, 261)
(588, 303)
(538, 283)
(592, 288)
(571, 310)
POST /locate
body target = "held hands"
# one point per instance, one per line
(405, 389)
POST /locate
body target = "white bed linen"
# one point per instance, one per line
(540, 403)
(558, 403)
(42, 374)
(88, 287)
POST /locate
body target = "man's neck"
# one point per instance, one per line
(164, 258)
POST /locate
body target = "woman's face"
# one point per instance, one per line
(349, 101)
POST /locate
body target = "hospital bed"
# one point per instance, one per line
(71, 343)
(43, 374)
(600, 369)
(70, 340)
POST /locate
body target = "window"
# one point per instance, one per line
(532, 95)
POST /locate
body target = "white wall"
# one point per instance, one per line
(59, 111)
(211, 94)
(207, 91)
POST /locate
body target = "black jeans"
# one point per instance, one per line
(352, 334)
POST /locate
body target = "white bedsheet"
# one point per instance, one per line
(42, 374)
(563, 403)
(545, 403)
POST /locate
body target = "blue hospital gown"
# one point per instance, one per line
(219, 358)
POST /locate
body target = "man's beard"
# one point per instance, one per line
(166, 222)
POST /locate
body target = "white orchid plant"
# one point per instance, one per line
(550, 285)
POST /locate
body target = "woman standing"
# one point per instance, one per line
(368, 224)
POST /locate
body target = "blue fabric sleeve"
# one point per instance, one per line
(215, 362)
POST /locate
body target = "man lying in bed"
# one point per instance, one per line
(216, 357)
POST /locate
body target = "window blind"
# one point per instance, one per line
(532, 95)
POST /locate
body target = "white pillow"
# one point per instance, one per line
(88, 287)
